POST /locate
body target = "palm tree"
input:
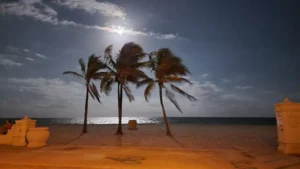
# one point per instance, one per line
(122, 71)
(92, 72)
(167, 69)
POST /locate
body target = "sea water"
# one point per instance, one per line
(156, 120)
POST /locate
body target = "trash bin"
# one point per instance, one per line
(288, 126)
(132, 124)
(37, 136)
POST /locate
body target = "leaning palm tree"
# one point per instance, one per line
(167, 69)
(89, 73)
(122, 71)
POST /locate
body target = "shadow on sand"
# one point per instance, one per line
(177, 142)
(77, 137)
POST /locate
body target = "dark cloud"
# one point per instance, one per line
(53, 106)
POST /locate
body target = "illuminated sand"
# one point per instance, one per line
(193, 146)
(185, 136)
(115, 158)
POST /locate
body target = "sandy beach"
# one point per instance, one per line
(190, 136)
(192, 146)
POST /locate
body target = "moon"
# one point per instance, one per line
(120, 30)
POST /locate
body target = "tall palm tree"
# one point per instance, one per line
(167, 69)
(122, 71)
(89, 72)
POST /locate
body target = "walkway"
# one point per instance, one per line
(63, 157)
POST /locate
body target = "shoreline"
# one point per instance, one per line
(154, 121)
(200, 124)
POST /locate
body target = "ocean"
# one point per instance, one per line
(156, 120)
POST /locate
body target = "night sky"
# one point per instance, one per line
(243, 54)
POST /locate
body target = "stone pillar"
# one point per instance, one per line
(288, 126)
(20, 129)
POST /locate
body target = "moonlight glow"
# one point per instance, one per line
(120, 30)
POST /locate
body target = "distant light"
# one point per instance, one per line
(120, 30)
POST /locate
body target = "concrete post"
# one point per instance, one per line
(288, 126)
(20, 129)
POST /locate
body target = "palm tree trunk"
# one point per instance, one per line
(120, 98)
(168, 131)
(84, 130)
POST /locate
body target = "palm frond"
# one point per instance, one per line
(73, 73)
(176, 79)
(92, 60)
(153, 61)
(107, 87)
(132, 79)
(130, 54)
(82, 65)
(153, 68)
(131, 49)
(128, 93)
(170, 59)
(95, 67)
(112, 70)
(169, 64)
(131, 75)
(152, 54)
(146, 64)
(90, 91)
(176, 89)
(162, 54)
(137, 73)
(144, 82)
(149, 88)
(111, 62)
(95, 92)
(98, 75)
(140, 56)
(108, 57)
(172, 69)
(177, 69)
(108, 76)
(171, 96)
(108, 50)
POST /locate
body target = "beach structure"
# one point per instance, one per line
(25, 133)
(37, 136)
(288, 126)
(132, 125)
(6, 139)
